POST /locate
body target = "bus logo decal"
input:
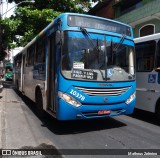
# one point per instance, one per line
(151, 78)
(109, 72)
(105, 100)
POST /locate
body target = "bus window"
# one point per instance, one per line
(80, 53)
(158, 57)
(40, 53)
(30, 56)
(145, 53)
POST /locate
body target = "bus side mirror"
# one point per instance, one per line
(59, 37)
(157, 69)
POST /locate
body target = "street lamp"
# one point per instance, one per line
(17, 5)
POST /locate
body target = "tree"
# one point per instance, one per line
(32, 22)
(61, 5)
(33, 17)
(8, 27)
(29, 19)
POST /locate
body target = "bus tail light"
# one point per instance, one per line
(131, 98)
(67, 98)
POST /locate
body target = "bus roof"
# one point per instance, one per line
(147, 38)
(45, 30)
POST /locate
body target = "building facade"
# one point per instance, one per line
(142, 15)
(104, 9)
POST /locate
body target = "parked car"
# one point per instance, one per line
(8, 76)
(8, 72)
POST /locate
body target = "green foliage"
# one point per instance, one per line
(60, 5)
(8, 27)
(146, 1)
(30, 19)
(32, 22)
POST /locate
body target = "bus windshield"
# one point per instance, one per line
(92, 57)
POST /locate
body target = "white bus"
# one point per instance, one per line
(148, 73)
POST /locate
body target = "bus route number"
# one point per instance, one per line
(77, 95)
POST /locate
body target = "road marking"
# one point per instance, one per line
(12, 101)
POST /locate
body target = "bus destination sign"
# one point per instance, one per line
(99, 24)
(83, 74)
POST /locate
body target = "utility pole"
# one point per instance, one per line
(0, 27)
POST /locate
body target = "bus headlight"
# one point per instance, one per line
(67, 98)
(131, 98)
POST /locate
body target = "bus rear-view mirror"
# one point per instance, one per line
(157, 69)
(59, 37)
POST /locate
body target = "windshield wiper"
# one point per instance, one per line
(111, 49)
(106, 59)
(118, 44)
(85, 32)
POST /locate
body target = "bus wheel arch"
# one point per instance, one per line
(39, 102)
(157, 109)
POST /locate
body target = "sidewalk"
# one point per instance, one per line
(14, 130)
(19, 126)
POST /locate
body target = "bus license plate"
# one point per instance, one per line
(104, 112)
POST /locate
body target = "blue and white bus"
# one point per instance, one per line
(79, 67)
(148, 73)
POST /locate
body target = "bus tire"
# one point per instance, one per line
(39, 104)
(158, 110)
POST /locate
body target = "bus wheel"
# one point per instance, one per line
(39, 104)
(158, 112)
(158, 109)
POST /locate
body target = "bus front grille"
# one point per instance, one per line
(103, 91)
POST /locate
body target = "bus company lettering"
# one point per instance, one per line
(106, 84)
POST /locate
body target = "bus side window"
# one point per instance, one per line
(30, 55)
(158, 58)
(40, 53)
(145, 53)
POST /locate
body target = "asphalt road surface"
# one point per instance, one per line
(20, 128)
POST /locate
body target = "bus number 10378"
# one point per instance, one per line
(77, 95)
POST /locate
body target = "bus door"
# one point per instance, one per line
(146, 76)
(19, 67)
(51, 86)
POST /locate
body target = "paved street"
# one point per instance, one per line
(21, 128)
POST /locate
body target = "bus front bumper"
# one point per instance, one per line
(68, 112)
